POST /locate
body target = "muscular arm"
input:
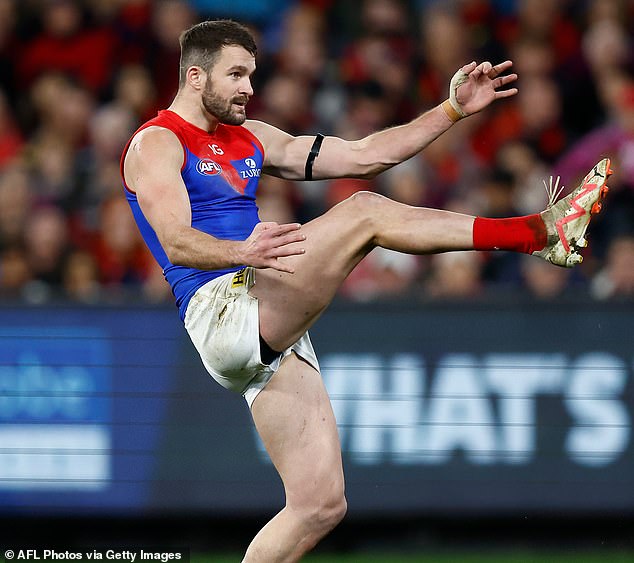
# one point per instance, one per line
(365, 158)
(152, 169)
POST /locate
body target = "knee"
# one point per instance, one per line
(365, 201)
(365, 207)
(325, 516)
(323, 513)
(333, 512)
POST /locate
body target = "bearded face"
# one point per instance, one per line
(229, 110)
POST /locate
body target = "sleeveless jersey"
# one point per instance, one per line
(221, 172)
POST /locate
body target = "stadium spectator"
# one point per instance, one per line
(443, 46)
(169, 19)
(383, 55)
(616, 279)
(67, 45)
(122, 259)
(543, 283)
(454, 275)
(302, 51)
(11, 138)
(15, 273)
(61, 110)
(534, 117)
(547, 22)
(8, 47)
(53, 175)
(277, 200)
(286, 103)
(16, 201)
(615, 137)
(521, 161)
(406, 183)
(98, 162)
(47, 246)
(382, 274)
(155, 289)
(80, 278)
(134, 89)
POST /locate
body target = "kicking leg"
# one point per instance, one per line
(335, 243)
(295, 421)
(339, 239)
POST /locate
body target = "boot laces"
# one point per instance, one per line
(553, 191)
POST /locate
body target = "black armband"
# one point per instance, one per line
(312, 155)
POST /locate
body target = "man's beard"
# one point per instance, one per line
(221, 108)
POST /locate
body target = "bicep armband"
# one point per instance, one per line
(312, 155)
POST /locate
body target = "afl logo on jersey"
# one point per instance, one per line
(208, 167)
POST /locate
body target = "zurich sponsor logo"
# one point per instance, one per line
(208, 167)
(252, 171)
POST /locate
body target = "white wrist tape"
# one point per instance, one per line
(456, 81)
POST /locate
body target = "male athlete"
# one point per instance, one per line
(248, 291)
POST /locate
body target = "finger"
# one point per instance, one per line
(286, 228)
(500, 68)
(280, 266)
(476, 72)
(506, 93)
(482, 68)
(486, 67)
(504, 80)
(275, 231)
(289, 239)
(469, 68)
(265, 225)
(288, 251)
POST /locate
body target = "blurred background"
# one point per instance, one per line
(484, 400)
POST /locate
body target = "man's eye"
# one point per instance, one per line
(235, 74)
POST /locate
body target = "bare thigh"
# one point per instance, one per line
(290, 303)
(294, 418)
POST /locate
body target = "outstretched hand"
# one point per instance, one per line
(269, 241)
(475, 86)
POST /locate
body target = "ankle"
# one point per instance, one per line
(526, 234)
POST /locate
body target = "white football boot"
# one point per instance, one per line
(567, 220)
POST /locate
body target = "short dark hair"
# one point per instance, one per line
(201, 43)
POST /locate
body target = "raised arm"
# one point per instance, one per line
(152, 170)
(472, 89)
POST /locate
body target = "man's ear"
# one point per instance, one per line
(196, 76)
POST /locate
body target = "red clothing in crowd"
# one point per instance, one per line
(87, 56)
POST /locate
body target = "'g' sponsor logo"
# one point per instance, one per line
(208, 167)
(250, 162)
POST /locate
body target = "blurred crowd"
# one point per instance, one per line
(77, 77)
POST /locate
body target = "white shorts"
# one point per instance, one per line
(223, 323)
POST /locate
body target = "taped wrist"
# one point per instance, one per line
(452, 114)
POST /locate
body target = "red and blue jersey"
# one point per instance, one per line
(221, 172)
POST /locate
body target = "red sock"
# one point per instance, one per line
(520, 234)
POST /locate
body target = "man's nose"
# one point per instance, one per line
(246, 87)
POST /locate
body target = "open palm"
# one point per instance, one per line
(477, 85)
